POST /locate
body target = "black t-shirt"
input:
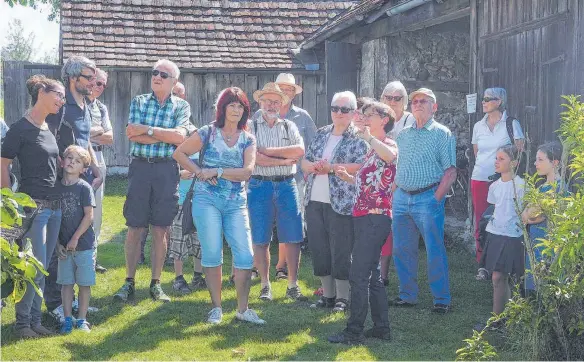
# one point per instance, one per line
(37, 153)
(74, 198)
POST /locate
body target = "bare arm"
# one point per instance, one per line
(244, 173)
(106, 138)
(85, 224)
(351, 168)
(307, 166)
(263, 160)
(475, 148)
(192, 145)
(447, 180)
(174, 136)
(5, 169)
(295, 151)
(143, 139)
(386, 152)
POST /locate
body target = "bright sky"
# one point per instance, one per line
(34, 21)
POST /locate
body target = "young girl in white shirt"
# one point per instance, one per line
(504, 251)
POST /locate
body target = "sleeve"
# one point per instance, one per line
(203, 132)
(105, 120)
(12, 143)
(295, 137)
(87, 196)
(361, 150)
(134, 111)
(517, 131)
(183, 115)
(448, 152)
(250, 140)
(475, 136)
(309, 130)
(491, 198)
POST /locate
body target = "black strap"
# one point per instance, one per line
(510, 131)
(61, 122)
(201, 157)
(255, 127)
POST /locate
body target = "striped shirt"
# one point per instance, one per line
(275, 136)
(424, 154)
(146, 110)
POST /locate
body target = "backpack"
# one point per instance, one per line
(483, 222)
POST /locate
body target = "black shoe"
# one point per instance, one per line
(385, 282)
(345, 338)
(179, 285)
(441, 308)
(378, 333)
(398, 302)
(341, 305)
(295, 294)
(100, 269)
(324, 302)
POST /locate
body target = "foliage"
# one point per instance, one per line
(549, 324)
(17, 267)
(55, 6)
(19, 44)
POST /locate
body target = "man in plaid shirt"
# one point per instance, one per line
(158, 122)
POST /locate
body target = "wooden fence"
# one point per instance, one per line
(124, 84)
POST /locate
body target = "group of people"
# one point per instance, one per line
(341, 186)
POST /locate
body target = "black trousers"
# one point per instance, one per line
(371, 231)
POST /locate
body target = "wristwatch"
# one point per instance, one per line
(219, 172)
(150, 131)
(331, 170)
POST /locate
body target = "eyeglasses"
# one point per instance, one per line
(270, 102)
(393, 98)
(59, 94)
(100, 84)
(90, 78)
(420, 101)
(344, 110)
(162, 74)
(488, 99)
(374, 114)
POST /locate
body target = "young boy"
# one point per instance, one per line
(77, 244)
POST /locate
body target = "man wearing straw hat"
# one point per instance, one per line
(272, 190)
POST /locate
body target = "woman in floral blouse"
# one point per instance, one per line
(329, 200)
(372, 224)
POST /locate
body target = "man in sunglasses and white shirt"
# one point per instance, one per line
(158, 122)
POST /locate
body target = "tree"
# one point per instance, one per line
(55, 6)
(20, 44)
(50, 56)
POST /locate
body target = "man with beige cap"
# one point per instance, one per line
(272, 190)
(425, 171)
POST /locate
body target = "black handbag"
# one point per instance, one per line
(188, 225)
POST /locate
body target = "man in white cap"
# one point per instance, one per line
(272, 192)
(425, 171)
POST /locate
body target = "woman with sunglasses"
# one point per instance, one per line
(329, 200)
(372, 224)
(488, 135)
(395, 95)
(30, 140)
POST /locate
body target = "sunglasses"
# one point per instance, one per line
(344, 110)
(488, 99)
(89, 78)
(100, 84)
(393, 98)
(420, 101)
(163, 75)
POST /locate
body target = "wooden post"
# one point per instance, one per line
(341, 68)
(473, 88)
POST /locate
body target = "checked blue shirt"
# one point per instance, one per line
(146, 110)
(424, 154)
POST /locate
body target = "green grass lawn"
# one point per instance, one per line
(148, 330)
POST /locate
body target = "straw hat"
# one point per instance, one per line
(288, 79)
(271, 88)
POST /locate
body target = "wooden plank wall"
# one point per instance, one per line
(201, 92)
(534, 50)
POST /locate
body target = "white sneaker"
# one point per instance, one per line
(215, 316)
(250, 316)
(75, 307)
(58, 314)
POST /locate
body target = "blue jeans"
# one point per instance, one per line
(43, 236)
(215, 216)
(269, 200)
(414, 215)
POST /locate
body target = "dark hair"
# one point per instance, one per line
(510, 150)
(553, 150)
(227, 96)
(37, 82)
(384, 111)
(361, 101)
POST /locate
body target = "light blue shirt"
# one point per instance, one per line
(424, 154)
(183, 185)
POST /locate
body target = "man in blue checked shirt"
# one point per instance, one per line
(425, 171)
(158, 123)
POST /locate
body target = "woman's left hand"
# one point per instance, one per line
(207, 174)
(365, 134)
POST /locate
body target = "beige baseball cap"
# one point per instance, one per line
(424, 91)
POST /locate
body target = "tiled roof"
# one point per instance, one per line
(193, 33)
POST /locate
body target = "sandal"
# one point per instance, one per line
(281, 274)
(341, 305)
(483, 274)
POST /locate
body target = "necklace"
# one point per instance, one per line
(228, 137)
(40, 125)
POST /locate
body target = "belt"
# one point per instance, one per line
(97, 148)
(423, 189)
(273, 178)
(153, 159)
(48, 204)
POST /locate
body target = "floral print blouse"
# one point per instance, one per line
(351, 149)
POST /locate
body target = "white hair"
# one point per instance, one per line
(101, 73)
(171, 65)
(396, 86)
(348, 95)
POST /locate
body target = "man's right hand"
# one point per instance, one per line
(289, 162)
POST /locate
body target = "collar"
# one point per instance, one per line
(350, 131)
(428, 125)
(503, 118)
(292, 110)
(71, 100)
(171, 99)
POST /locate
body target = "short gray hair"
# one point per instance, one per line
(346, 94)
(499, 93)
(74, 66)
(172, 65)
(101, 73)
(396, 86)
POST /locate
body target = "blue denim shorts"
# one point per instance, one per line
(78, 268)
(269, 201)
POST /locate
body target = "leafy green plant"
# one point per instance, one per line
(549, 324)
(18, 268)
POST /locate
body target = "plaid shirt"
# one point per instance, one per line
(424, 154)
(146, 110)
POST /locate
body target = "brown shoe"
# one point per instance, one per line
(42, 331)
(25, 332)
